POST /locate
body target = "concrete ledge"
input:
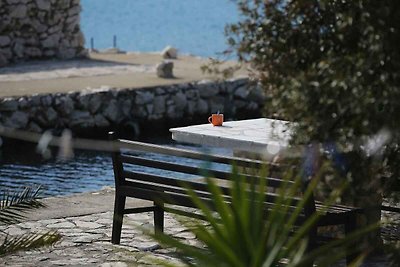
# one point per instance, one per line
(80, 205)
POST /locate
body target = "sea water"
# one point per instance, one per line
(192, 26)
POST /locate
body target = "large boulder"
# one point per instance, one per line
(165, 69)
(169, 52)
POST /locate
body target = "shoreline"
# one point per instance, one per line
(109, 70)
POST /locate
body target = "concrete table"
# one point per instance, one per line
(262, 136)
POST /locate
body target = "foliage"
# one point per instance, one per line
(334, 68)
(13, 205)
(245, 233)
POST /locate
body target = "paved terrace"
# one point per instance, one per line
(85, 221)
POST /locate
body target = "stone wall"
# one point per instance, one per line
(104, 109)
(40, 29)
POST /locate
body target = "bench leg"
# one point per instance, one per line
(119, 206)
(350, 226)
(158, 218)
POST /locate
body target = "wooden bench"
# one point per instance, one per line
(153, 172)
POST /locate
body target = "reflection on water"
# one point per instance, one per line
(20, 165)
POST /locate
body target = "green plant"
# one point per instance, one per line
(13, 205)
(245, 232)
(333, 67)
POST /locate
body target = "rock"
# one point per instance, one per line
(43, 4)
(15, 2)
(240, 104)
(242, 92)
(75, 10)
(217, 104)
(34, 100)
(90, 225)
(61, 225)
(169, 53)
(4, 40)
(165, 69)
(172, 113)
(100, 121)
(7, 53)
(94, 103)
(126, 108)
(19, 49)
(32, 52)
(160, 91)
(202, 106)
(65, 105)
(38, 26)
(8, 104)
(34, 127)
(66, 53)
(207, 89)
(159, 104)
(49, 53)
(18, 120)
(54, 29)
(81, 119)
(192, 94)
(143, 97)
(3, 60)
(46, 100)
(51, 41)
(191, 107)
(19, 12)
(149, 108)
(51, 115)
(22, 103)
(139, 111)
(180, 100)
(257, 95)
(112, 111)
(252, 106)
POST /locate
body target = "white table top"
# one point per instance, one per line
(262, 136)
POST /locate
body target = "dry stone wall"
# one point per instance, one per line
(32, 29)
(104, 109)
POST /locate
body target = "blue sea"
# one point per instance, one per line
(193, 26)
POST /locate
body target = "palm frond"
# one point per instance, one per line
(28, 241)
(14, 203)
(246, 232)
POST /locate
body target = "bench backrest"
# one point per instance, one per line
(158, 173)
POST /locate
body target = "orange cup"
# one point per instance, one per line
(216, 119)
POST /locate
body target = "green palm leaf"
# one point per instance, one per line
(243, 231)
(28, 241)
(14, 203)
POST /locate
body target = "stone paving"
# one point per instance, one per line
(86, 241)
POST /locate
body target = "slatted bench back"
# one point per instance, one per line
(161, 173)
